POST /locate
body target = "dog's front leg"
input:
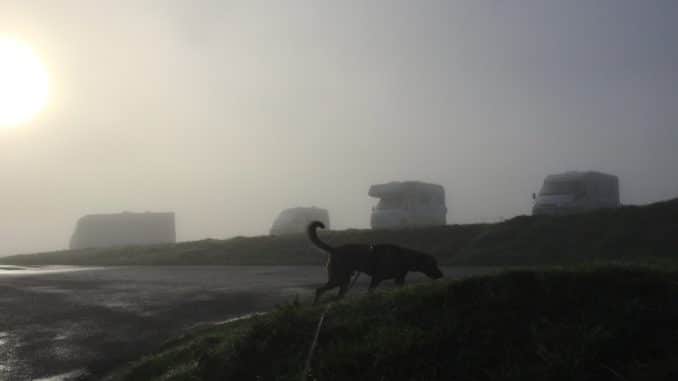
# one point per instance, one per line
(400, 280)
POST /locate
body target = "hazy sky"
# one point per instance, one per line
(227, 112)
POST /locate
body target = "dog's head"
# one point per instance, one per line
(428, 265)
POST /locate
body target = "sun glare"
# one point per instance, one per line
(23, 83)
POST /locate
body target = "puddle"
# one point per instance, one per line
(11, 268)
(48, 290)
(220, 322)
(7, 270)
(120, 305)
(70, 376)
(203, 298)
(292, 291)
(241, 317)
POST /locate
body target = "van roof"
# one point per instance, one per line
(578, 175)
(304, 210)
(396, 187)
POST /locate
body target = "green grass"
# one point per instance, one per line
(600, 323)
(626, 234)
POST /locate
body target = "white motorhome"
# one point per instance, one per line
(123, 229)
(295, 220)
(576, 192)
(408, 204)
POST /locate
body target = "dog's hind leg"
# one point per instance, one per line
(374, 282)
(343, 289)
(344, 284)
(400, 280)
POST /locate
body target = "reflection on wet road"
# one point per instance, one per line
(59, 322)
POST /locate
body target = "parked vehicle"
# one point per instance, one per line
(295, 220)
(123, 229)
(576, 192)
(408, 204)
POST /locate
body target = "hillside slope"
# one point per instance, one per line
(593, 324)
(636, 232)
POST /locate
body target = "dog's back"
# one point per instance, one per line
(353, 257)
(392, 261)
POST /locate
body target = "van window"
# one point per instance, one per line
(390, 203)
(562, 187)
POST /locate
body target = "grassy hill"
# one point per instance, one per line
(628, 233)
(611, 323)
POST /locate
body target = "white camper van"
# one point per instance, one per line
(576, 192)
(407, 204)
(295, 220)
(123, 229)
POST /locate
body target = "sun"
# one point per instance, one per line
(23, 83)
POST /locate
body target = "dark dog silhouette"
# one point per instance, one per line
(381, 262)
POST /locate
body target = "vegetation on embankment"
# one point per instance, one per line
(628, 233)
(611, 323)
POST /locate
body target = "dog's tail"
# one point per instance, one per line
(313, 236)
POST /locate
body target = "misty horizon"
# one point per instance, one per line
(226, 113)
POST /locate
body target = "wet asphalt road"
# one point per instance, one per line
(62, 322)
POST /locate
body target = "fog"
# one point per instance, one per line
(227, 112)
